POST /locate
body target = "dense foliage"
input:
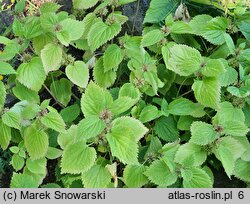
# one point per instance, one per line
(101, 107)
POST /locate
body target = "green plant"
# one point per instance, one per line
(122, 110)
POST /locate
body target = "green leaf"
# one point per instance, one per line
(134, 176)
(235, 128)
(61, 89)
(97, 177)
(149, 113)
(159, 10)
(102, 78)
(17, 162)
(213, 68)
(53, 153)
(68, 137)
(202, 133)
(31, 74)
(228, 77)
(190, 154)
(183, 106)
(112, 57)
(32, 27)
(159, 173)
(183, 60)
(37, 166)
(123, 138)
(207, 92)
(5, 135)
(84, 4)
(26, 94)
(197, 178)
(6, 69)
(2, 95)
(122, 104)
(242, 170)
(166, 129)
(11, 48)
(36, 141)
(53, 120)
(152, 37)
(129, 90)
(23, 181)
(100, 33)
(90, 127)
(49, 22)
(49, 7)
(78, 73)
(51, 56)
(12, 119)
(95, 100)
(70, 113)
(78, 158)
(185, 122)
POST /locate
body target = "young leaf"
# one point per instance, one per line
(68, 137)
(134, 176)
(197, 178)
(112, 57)
(152, 37)
(100, 33)
(207, 92)
(78, 73)
(90, 127)
(17, 162)
(202, 133)
(36, 142)
(123, 138)
(32, 74)
(184, 60)
(95, 100)
(84, 4)
(51, 56)
(96, 177)
(53, 120)
(129, 90)
(159, 173)
(122, 104)
(78, 158)
(61, 89)
(149, 113)
(53, 153)
(5, 135)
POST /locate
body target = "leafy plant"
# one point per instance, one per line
(110, 109)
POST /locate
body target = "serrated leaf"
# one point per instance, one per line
(36, 142)
(242, 170)
(102, 78)
(53, 120)
(207, 92)
(165, 128)
(213, 68)
(61, 89)
(228, 77)
(134, 177)
(197, 178)
(5, 135)
(48, 7)
(122, 104)
(6, 69)
(190, 154)
(183, 60)
(100, 33)
(78, 73)
(37, 166)
(23, 181)
(2, 95)
(70, 113)
(97, 177)
(67, 137)
(129, 90)
(90, 127)
(31, 74)
(53, 153)
(123, 138)
(84, 4)
(77, 158)
(159, 173)
(183, 106)
(17, 162)
(51, 56)
(149, 113)
(152, 37)
(112, 57)
(95, 100)
(202, 133)
(26, 94)
(12, 118)
(235, 128)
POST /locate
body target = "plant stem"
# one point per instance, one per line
(47, 89)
